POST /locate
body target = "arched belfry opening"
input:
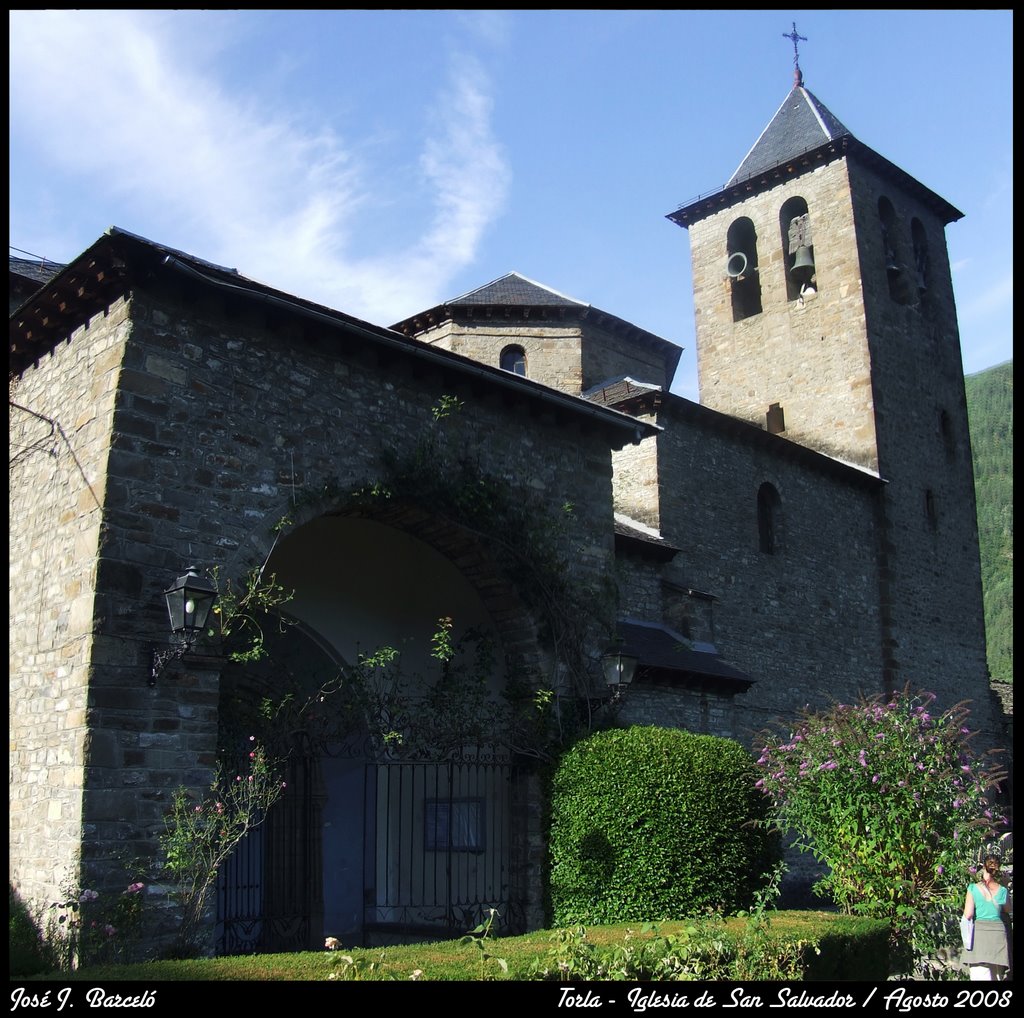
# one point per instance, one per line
(797, 248)
(742, 269)
(922, 259)
(897, 272)
(396, 824)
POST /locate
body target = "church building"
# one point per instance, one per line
(804, 534)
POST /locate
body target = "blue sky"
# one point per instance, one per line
(381, 162)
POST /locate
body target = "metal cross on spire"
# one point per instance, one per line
(798, 78)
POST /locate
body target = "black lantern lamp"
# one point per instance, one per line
(619, 666)
(189, 600)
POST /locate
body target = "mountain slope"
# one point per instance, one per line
(990, 412)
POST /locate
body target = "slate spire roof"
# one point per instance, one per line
(802, 122)
(803, 134)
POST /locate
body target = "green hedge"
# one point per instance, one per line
(852, 947)
(655, 823)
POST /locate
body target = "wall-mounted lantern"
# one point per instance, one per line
(619, 666)
(189, 600)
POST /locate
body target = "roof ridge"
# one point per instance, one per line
(521, 278)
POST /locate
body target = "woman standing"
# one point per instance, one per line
(988, 904)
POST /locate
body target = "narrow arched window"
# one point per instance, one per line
(741, 268)
(797, 248)
(931, 511)
(768, 521)
(948, 438)
(513, 358)
(922, 262)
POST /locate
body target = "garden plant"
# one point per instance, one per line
(653, 823)
(890, 795)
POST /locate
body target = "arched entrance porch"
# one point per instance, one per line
(380, 835)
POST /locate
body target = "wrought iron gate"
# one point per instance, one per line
(437, 852)
(441, 847)
(270, 891)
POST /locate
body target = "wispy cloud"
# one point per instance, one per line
(464, 169)
(130, 106)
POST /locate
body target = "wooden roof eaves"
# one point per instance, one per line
(82, 289)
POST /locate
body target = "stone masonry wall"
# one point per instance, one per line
(638, 579)
(225, 419)
(636, 480)
(809, 355)
(58, 480)
(803, 621)
(607, 355)
(567, 356)
(552, 351)
(932, 590)
(700, 711)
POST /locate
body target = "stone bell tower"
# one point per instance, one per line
(825, 313)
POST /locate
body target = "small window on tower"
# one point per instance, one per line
(513, 358)
(948, 440)
(768, 518)
(930, 510)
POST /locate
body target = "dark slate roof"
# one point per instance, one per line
(670, 655)
(642, 539)
(514, 290)
(616, 390)
(802, 123)
(39, 270)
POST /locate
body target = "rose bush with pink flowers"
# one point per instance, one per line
(201, 834)
(90, 927)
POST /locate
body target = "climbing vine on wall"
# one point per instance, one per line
(533, 544)
(242, 610)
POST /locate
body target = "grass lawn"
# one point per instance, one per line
(445, 960)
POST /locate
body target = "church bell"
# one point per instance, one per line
(803, 263)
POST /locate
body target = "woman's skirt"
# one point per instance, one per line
(991, 945)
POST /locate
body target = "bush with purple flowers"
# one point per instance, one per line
(891, 797)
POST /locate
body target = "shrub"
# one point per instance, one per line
(655, 823)
(27, 951)
(200, 836)
(892, 798)
(92, 927)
